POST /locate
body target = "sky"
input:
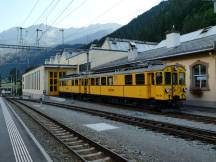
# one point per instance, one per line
(70, 13)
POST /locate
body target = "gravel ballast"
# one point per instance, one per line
(132, 142)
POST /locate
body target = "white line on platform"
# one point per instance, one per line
(45, 154)
(20, 150)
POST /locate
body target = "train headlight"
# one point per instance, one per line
(184, 89)
(167, 90)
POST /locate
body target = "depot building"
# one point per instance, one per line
(44, 79)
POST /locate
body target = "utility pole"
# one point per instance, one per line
(37, 36)
(62, 34)
(20, 40)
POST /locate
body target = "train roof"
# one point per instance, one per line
(149, 68)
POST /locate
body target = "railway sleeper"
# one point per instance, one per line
(67, 140)
(73, 139)
(66, 136)
(75, 142)
(92, 156)
(102, 159)
(62, 134)
(82, 151)
(79, 146)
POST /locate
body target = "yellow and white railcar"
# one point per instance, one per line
(159, 83)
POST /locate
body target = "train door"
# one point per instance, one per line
(151, 85)
(52, 84)
(174, 83)
(86, 86)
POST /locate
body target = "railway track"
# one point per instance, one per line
(179, 115)
(185, 132)
(80, 146)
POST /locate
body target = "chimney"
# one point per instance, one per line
(52, 59)
(58, 58)
(173, 39)
(132, 52)
(47, 61)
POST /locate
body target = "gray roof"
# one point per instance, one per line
(124, 44)
(188, 47)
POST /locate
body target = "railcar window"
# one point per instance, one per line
(64, 83)
(181, 78)
(72, 82)
(167, 78)
(152, 79)
(174, 79)
(110, 80)
(97, 81)
(103, 81)
(92, 81)
(86, 82)
(128, 80)
(76, 82)
(60, 74)
(140, 79)
(159, 78)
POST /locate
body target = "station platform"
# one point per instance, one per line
(17, 144)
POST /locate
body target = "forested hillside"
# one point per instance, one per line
(185, 15)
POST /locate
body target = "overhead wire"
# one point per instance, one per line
(44, 11)
(30, 13)
(72, 11)
(99, 16)
(62, 12)
(59, 16)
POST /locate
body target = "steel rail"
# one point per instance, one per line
(202, 135)
(81, 146)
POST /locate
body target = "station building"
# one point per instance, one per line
(44, 79)
(111, 49)
(196, 51)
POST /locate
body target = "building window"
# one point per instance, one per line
(199, 76)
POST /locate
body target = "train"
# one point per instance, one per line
(163, 85)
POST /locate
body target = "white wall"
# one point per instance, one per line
(34, 82)
(99, 57)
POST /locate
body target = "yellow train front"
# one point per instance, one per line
(164, 85)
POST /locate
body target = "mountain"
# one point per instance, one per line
(74, 38)
(185, 15)
(53, 35)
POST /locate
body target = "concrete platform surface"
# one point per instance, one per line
(131, 142)
(17, 144)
